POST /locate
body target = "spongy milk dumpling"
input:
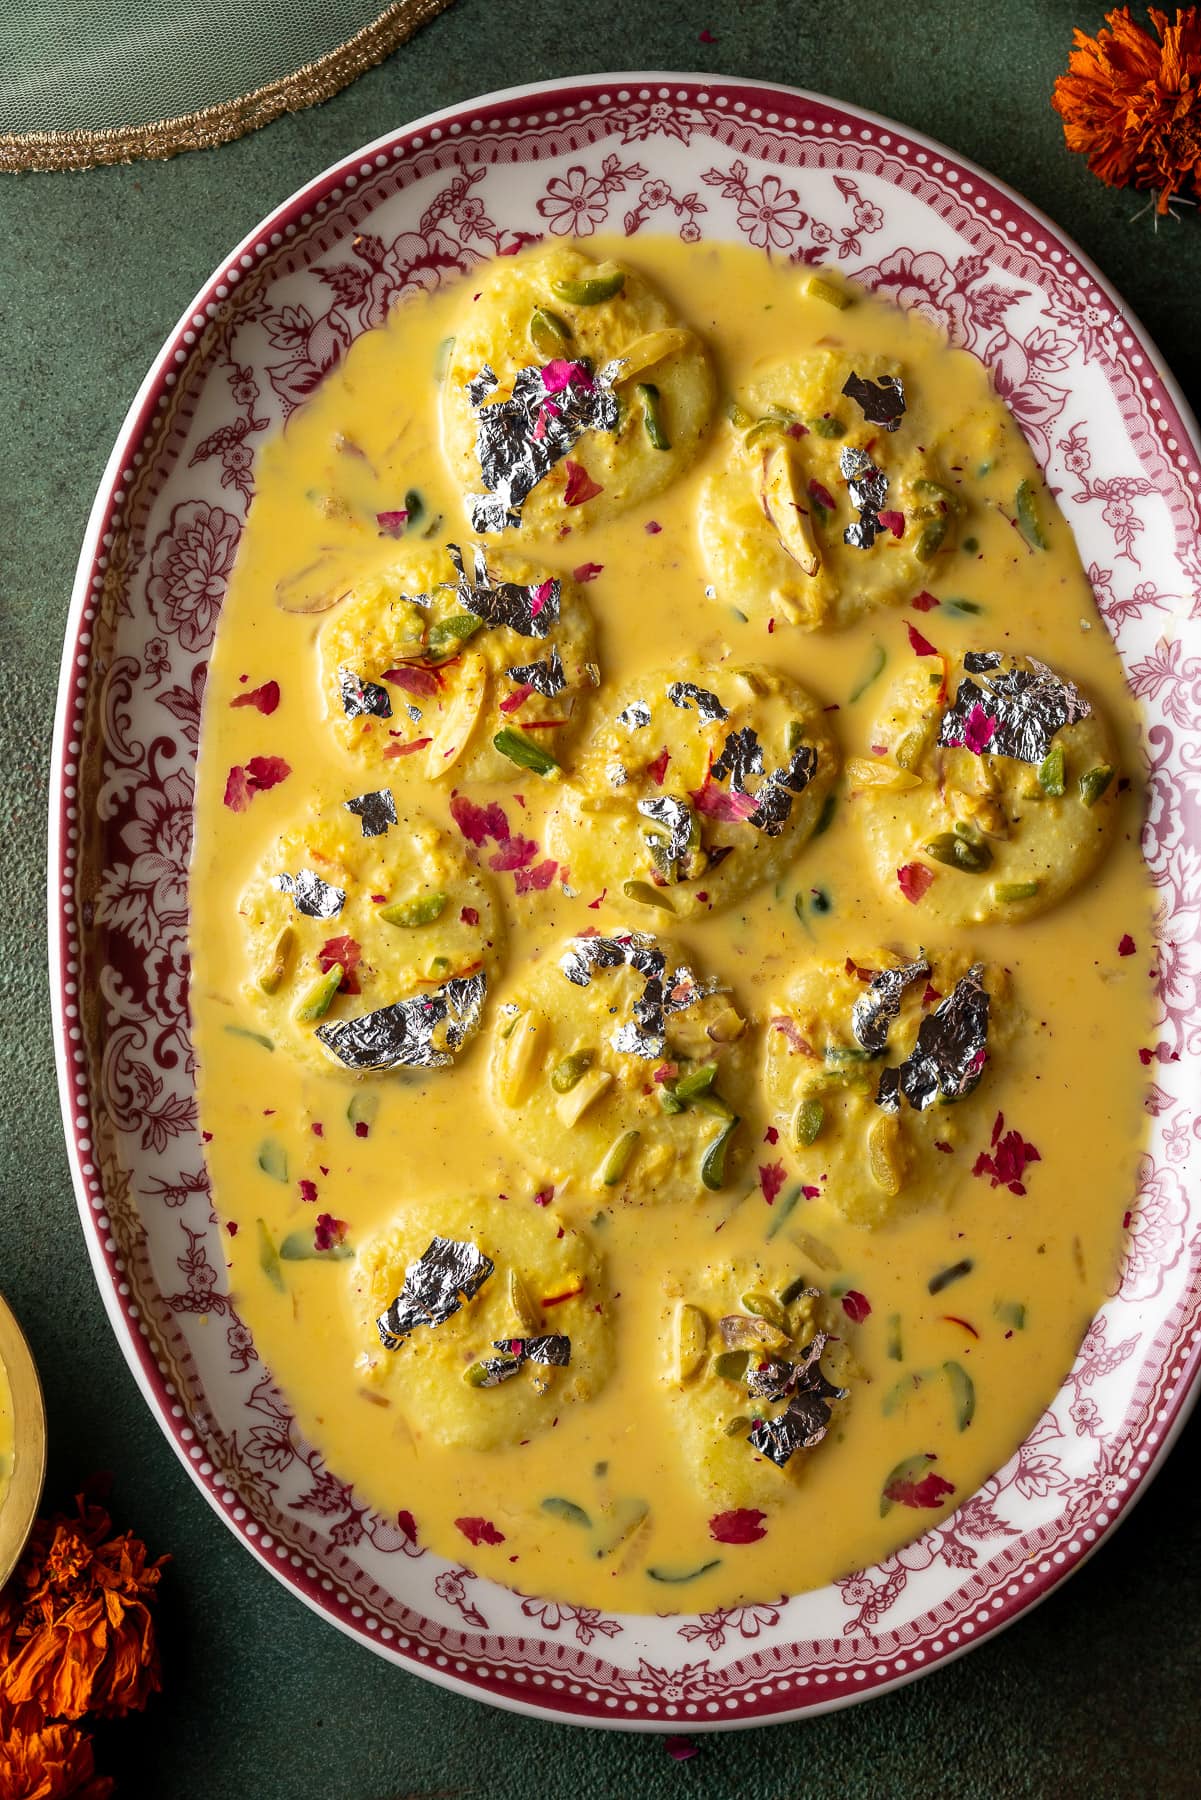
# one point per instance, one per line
(361, 922)
(699, 785)
(742, 1342)
(416, 683)
(830, 1041)
(776, 512)
(620, 1074)
(958, 825)
(545, 1281)
(611, 350)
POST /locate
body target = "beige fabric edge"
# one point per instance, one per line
(218, 124)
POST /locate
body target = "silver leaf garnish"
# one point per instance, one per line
(529, 611)
(1025, 707)
(434, 1289)
(375, 811)
(546, 677)
(674, 820)
(874, 1012)
(402, 1036)
(360, 696)
(948, 1058)
(634, 716)
(315, 898)
(867, 486)
(645, 1037)
(686, 693)
(882, 400)
(518, 441)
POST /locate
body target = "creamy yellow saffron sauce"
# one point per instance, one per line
(1067, 1078)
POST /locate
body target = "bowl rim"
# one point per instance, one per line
(131, 430)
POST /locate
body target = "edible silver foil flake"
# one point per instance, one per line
(742, 756)
(375, 811)
(685, 693)
(635, 715)
(547, 677)
(360, 696)
(518, 441)
(948, 1057)
(616, 774)
(315, 898)
(434, 1289)
(874, 1011)
(868, 488)
(551, 1351)
(674, 820)
(806, 1419)
(402, 1036)
(1026, 707)
(414, 712)
(530, 611)
(882, 400)
(645, 1037)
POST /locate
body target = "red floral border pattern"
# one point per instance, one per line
(798, 178)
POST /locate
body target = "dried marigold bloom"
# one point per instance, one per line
(53, 1764)
(1131, 102)
(76, 1634)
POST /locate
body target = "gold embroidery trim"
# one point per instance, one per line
(217, 124)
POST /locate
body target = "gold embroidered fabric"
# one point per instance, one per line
(45, 92)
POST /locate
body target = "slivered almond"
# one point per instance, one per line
(788, 511)
(454, 734)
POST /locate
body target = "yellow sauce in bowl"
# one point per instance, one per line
(955, 1301)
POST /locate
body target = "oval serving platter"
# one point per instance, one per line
(798, 177)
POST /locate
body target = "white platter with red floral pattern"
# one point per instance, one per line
(799, 177)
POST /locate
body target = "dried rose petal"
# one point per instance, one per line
(856, 1306)
(924, 602)
(920, 645)
(741, 1526)
(771, 1179)
(480, 1531)
(264, 699)
(915, 879)
(587, 571)
(580, 485)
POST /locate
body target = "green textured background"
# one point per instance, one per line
(1094, 1694)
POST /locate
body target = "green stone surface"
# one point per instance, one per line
(1096, 1693)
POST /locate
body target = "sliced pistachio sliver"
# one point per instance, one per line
(449, 634)
(273, 1159)
(764, 1306)
(1029, 523)
(645, 893)
(318, 999)
(931, 539)
(652, 415)
(737, 1426)
(1053, 772)
(963, 1393)
(1094, 782)
(422, 911)
(713, 1163)
(525, 752)
(958, 852)
(618, 1158)
(269, 1258)
(819, 288)
(1008, 892)
(696, 1081)
(825, 425)
(593, 290)
(363, 1108)
(567, 1510)
(278, 958)
(886, 1154)
(565, 1074)
(549, 334)
(807, 1122)
(730, 1365)
(938, 491)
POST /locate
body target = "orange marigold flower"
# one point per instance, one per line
(1131, 101)
(76, 1634)
(52, 1764)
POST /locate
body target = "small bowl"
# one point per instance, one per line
(22, 1441)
